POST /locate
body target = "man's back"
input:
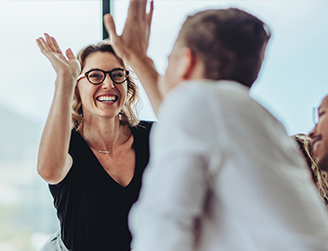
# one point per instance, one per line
(224, 175)
(264, 195)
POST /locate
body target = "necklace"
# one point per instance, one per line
(108, 151)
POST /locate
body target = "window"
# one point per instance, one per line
(27, 214)
(293, 78)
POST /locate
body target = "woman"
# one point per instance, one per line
(94, 156)
(319, 177)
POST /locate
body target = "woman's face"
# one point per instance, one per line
(319, 135)
(107, 98)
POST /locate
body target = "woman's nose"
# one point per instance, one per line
(108, 83)
(312, 133)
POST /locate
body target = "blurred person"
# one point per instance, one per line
(93, 149)
(320, 177)
(223, 173)
(319, 135)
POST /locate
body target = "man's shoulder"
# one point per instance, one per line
(206, 93)
(208, 87)
(198, 96)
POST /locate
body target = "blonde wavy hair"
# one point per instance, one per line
(128, 114)
(319, 176)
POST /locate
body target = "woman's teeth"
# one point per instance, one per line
(107, 98)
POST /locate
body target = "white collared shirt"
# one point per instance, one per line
(224, 175)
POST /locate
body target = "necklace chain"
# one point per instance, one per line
(108, 151)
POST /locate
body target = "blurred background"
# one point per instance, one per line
(293, 80)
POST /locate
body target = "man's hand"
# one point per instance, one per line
(132, 46)
(135, 37)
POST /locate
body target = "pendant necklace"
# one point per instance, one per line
(108, 151)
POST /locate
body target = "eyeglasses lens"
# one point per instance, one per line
(315, 115)
(118, 76)
(96, 77)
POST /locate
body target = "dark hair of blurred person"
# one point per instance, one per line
(208, 35)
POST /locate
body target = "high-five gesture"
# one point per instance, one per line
(67, 67)
(132, 46)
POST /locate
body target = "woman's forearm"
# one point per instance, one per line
(53, 159)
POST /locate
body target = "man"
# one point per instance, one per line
(223, 173)
(319, 135)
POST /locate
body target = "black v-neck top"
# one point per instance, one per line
(91, 206)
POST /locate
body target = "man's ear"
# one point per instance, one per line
(187, 64)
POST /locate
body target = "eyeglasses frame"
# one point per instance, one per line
(86, 74)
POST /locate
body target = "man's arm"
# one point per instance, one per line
(132, 46)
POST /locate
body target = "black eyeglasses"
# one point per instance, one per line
(97, 76)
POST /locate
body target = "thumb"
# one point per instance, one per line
(69, 53)
(110, 26)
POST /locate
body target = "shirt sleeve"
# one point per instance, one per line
(176, 182)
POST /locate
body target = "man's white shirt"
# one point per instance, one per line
(224, 175)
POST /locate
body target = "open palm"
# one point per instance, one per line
(135, 37)
(69, 67)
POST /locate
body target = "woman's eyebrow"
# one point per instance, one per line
(115, 68)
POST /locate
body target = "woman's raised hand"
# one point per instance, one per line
(66, 67)
(54, 162)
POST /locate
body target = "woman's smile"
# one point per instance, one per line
(108, 94)
(107, 98)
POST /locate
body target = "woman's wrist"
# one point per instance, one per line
(65, 73)
(67, 81)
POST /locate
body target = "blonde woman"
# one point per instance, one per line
(319, 176)
(93, 148)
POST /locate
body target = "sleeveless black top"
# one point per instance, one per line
(91, 206)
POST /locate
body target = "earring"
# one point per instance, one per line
(80, 112)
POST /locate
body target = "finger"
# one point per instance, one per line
(49, 42)
(142, 7)
(137, 8)
(40, 44)
(55, 48)
(69, 53)
(43, 45)
(45, 50)
(149, 16)
(110, 27)
(58, 50)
